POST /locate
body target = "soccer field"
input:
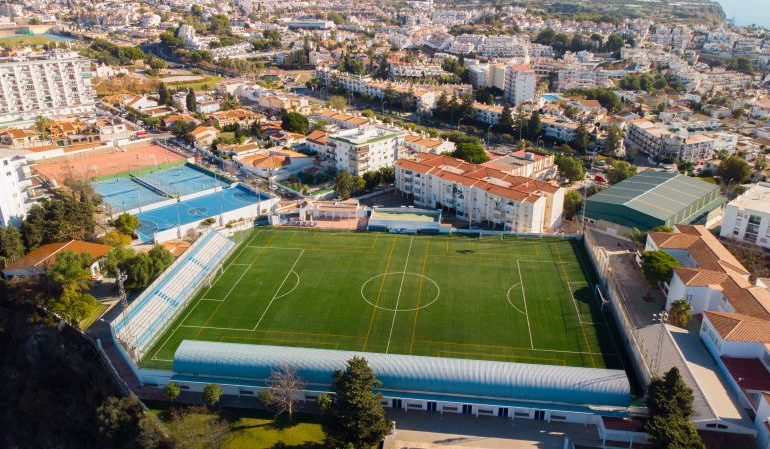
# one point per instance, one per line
(516, 299)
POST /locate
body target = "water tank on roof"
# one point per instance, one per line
(529, 156)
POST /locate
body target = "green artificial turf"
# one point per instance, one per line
(516, 299)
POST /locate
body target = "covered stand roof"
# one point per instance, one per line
(453, 379)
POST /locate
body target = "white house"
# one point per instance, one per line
(747, 218)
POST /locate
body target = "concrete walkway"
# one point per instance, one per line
(421, 430)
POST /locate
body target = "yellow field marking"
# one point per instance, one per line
(374, 242)
(319, 334)
(301, 342)
(379, 294)
(214, 312)
(515, 357)
(507, 347)
(564, 279)
(419, 295)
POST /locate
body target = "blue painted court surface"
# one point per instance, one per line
(182, 180)
(188, 211)
(124, 194)
(131, 192)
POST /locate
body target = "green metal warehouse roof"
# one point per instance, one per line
(652, 198)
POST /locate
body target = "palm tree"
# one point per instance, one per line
(638, 237)
(679, 313)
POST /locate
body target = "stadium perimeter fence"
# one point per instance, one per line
(616, 298)
(136, 353)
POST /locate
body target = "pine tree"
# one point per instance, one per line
(191, 104)
(505, 124)
(164, 95)
(669, 401)
(354, 416)
(11, 245)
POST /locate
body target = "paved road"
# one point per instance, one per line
(421, 430)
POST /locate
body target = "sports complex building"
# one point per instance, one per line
(503, 326)
(651, 199)
(170, 195)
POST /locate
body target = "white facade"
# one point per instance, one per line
(58, 84)
(367, 148)
(520, 84)
(747, 218)
(14, 179)
(514, 204)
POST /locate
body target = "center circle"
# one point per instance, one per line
(401, 275)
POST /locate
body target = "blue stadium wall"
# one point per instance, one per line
(444, 385)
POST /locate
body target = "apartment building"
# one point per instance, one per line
(401, 70)
(367, 148)
(480, 194)
(520, 83)
(676, 143)
(582, 79)
(747, 218)
(56, 84)
(561, 130)
(15, 177)
(489, 114)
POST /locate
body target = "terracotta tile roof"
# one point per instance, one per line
(45, 255)
(740, 327)
(700, 278)
(496, 182)
(702, 246)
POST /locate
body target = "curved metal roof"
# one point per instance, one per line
(457, 378)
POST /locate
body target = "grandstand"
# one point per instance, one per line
(137, 327)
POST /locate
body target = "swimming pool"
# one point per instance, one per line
(195, 209)
(550, 97)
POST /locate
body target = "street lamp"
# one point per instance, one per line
(460, 121)
(488, 128)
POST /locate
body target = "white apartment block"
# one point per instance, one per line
(481, 194)
(657, 140)
(57, 84)
(15, 177)
(582, 79)
(367, 148)
(520, 83)
(489, 114)
(747, 218)
(416, 70)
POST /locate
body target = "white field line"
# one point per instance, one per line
(398, 298)
(275, 295)
(508, 297)
(526, 311)
(192, 307)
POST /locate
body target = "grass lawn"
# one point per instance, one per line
(256, 429)
(86, 322)
(516, 299)
(20, 41)
(206, 83)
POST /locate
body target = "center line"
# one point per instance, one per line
(398, 298)
(279, 290)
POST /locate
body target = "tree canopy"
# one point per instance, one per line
(734, 169)
(669, 401)
(353, 415)
(658, 266)
(570, 168)
(573, 203)
(294, 122)
(620, 170)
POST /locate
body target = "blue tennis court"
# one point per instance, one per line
(124, 194)
(182, 180)
(188, 211)
(133, 191)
